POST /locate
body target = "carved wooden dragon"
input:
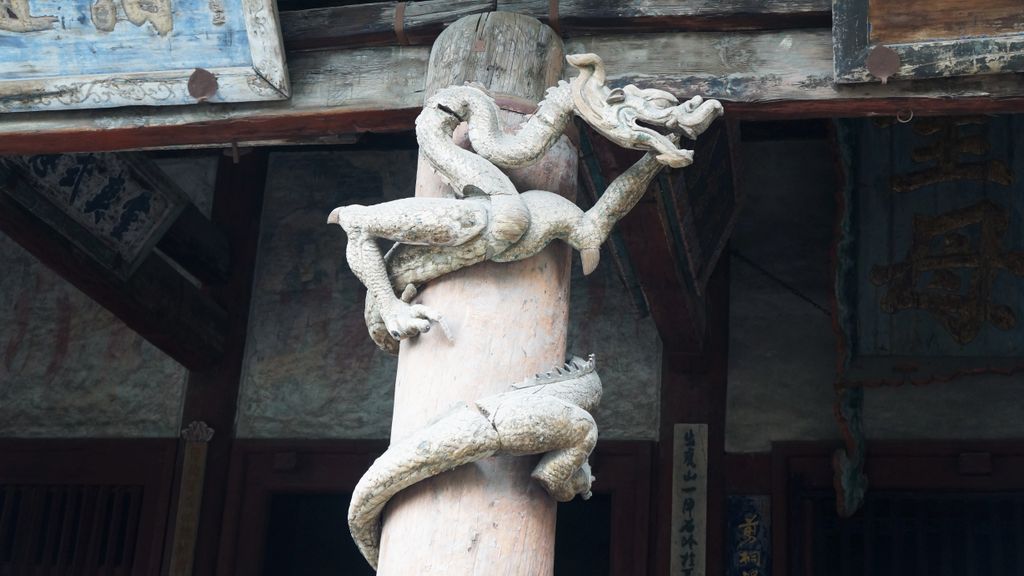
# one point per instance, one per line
(490, 219)
(548, 414)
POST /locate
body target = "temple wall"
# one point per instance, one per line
(69, 368)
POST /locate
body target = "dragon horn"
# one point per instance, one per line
(589, 62)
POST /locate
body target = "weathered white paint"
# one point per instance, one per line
(762, 67)
(100, 59)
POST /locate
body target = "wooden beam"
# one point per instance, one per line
(693, 390)
(375, 24)
(675, 308)
(155, 301)
(493, 505)
(784, 74)
(197, 246)
(342, 92)
(418, 23)
(758, 75)
(211, 395)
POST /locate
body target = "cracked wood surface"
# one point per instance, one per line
(757, 75)
(511, 321)
(419, 23)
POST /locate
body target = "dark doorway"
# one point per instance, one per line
(307, 536)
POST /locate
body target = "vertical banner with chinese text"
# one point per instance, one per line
(749, 536)
(689, 500)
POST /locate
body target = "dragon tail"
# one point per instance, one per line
(461, 436)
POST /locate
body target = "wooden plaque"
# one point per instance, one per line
(930, 38)
(689, 545)
(930, 253)
(60, 55)
(749, 536)
(113, 207)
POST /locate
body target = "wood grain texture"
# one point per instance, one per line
(900, 21)
(509, 321)
(211, 395)
(374, 24)
(377, 24)
(757, 75)
(984, 43)
(344, 92)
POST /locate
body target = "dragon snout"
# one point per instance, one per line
(335, 216)
(693, 117)
(346, 216)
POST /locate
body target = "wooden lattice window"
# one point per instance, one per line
(909, 534)
(68, 529)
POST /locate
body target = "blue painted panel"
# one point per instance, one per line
(949, 292)
(749, 551)
(113, 207)
(199, 37)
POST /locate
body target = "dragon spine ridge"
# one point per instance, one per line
(574, 368)
(545, 414)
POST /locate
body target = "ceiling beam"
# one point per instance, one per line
(759, 75)
(198, 246)
(155, 300)
(333, 93)
(419, 23)
(675, 235)
(676, 309)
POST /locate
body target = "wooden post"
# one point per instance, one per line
(509, 322)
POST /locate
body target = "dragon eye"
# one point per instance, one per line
(616, 96)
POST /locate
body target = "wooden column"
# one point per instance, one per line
(212, 395)
(509, 322)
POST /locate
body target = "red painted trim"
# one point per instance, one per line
(747, 474)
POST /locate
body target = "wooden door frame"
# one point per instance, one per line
(260, 468)
(896, 465)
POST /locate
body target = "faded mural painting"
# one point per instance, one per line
(68, 367)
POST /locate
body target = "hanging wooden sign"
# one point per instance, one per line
(113, 207)
(911, 39)
(930, 275)
(749, 551)
(689, 500)
(60, 55)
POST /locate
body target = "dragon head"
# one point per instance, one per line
(642, 119)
